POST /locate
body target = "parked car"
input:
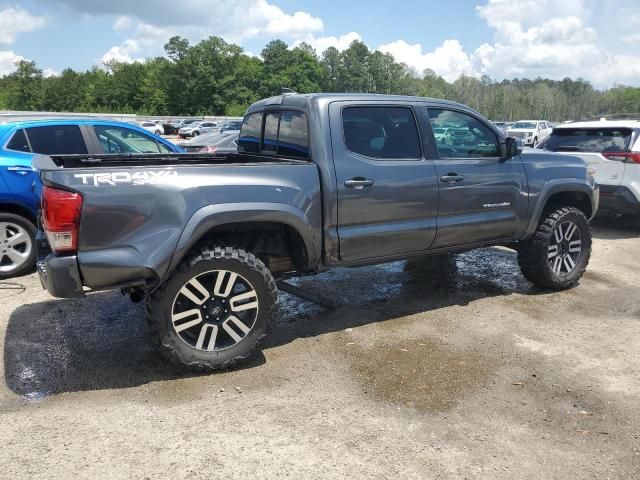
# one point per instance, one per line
(213, 143)
(613, 149)
(441, 134)
(503, 126)
(178, 124)
(151, 127)
(234, 125)
(197, 128)
(531, 132)
(20, 185)
(319, 181)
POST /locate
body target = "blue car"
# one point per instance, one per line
(20, 185)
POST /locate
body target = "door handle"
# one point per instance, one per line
(452, 178)
(359, 183)
(20, 170)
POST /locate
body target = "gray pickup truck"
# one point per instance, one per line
(319, 181)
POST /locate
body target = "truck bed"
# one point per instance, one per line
(140, 212)
(156, 159)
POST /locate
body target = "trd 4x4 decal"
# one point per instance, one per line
(142, 177)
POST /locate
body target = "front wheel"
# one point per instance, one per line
(196, 133)
(214, 310)
(558, 253)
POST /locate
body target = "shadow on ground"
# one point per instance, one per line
(101, 342)
(606, 227)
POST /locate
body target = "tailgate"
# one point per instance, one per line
(608, 172)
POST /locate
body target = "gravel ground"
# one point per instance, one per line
(452, 369)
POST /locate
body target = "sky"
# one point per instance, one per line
(593, 39)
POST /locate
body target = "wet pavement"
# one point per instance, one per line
(447, 367)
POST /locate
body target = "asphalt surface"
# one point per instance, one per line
(431, 369)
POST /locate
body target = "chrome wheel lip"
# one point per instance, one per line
(565, 248)
(228, 324)
(19, 238)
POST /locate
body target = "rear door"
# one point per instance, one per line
(387, 190)
(482, 197)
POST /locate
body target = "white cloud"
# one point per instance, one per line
(123, 53)
(50, 72)
(122, 23)
(342, 42)
(8, 61)
(15, 20)
(545, 38)
(155, 21)
(449, 60)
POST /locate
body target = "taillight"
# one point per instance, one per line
(61, 218)
(627, 157)
(208, 149)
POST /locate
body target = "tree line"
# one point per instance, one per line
(214, 77)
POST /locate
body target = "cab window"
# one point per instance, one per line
(459, 135)
(250, 133)
(381, 132)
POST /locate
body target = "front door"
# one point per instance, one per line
(387, 191)
(482, 197)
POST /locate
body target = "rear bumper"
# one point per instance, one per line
(618, 200)
(59, 274)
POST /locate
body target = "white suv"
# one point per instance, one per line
(531, 132)
(612, 147)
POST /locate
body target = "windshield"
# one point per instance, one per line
(527, 125)
(588, 140)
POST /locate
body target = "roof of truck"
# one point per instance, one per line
(302, 99)
(602, 124)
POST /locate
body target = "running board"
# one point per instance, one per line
(307, 295)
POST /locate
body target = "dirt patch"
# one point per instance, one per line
(427, 375)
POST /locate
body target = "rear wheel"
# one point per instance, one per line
(214, 310)
(17, 245)
(558, 253)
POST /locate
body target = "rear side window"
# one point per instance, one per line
(588, 140)
(284, 133)
(381, 132)
(250, 133)
(293, 135)
(270, 139)
(19, 142)
(57, 140)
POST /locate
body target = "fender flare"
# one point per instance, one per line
(213, 216)
(558, 185)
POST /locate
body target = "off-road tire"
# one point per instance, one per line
(160, 305)
(30, 262)
(533, 254)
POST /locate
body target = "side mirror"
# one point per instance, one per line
(512, 147)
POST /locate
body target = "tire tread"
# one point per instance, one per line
(154, 302)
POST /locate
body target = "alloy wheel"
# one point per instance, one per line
(215, 310)
(15, 246)
(565, 248)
